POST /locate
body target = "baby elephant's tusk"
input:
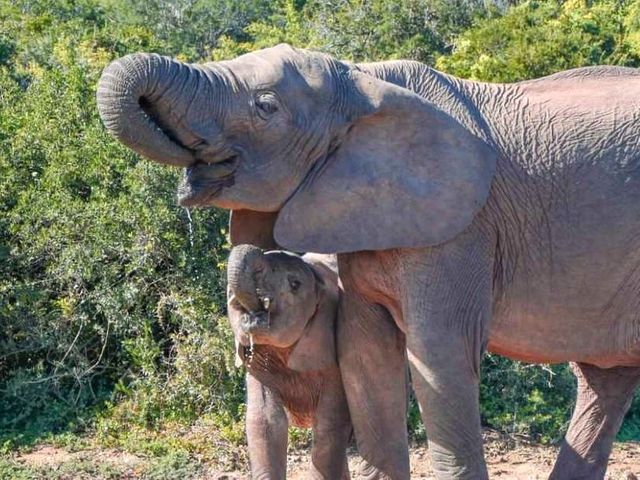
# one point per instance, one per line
(266, 302)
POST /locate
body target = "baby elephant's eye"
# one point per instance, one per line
(266, 104)
(294, 284)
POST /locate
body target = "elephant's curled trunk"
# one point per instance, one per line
(245, 263)
(128, 85)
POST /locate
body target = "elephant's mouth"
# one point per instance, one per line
(245, 350)
(203, 181)
(244, 353)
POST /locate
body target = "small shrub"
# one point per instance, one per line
(176, 464)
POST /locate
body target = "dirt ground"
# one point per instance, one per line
(506, 460)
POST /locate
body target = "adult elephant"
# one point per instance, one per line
(455, 206)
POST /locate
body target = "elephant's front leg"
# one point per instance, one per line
(267, 428)
(447, 312)
(331, 433)
(371, 353)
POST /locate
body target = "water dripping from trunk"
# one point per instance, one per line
(190, 225)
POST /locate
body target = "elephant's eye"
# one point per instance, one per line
(294, 284)
(266, 104)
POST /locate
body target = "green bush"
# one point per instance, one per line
(538, 38)
(527, 399)
(105, 282)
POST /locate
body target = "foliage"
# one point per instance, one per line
(630, 429)
(538, 38)
(108, 289)
(14, 470)
(112, 298)
(385, 29)
(361, 31)
(190, 28)
(527, 399)
(176, 464)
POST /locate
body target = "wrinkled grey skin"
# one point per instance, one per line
(283, 311)
(475, 215)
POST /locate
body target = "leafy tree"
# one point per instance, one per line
(384, 29)
(537, 38)
(104, 280)
(361, 31)
(191, 28)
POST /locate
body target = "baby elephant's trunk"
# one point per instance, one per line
(245, 263)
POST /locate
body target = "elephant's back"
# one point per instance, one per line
(597, 71)
(587, 117)
(586, 92)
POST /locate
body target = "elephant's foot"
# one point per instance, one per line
(367, 471)
(604, 396)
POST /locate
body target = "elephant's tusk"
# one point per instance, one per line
(250, 356)
(238, 358)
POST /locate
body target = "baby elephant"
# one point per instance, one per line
(283, 311)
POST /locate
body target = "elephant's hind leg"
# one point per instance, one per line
(604, 396)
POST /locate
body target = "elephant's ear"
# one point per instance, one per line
(254, 228)
(405, 175)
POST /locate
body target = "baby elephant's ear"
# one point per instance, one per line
(406, 175)
(253, 228)
(317, 275)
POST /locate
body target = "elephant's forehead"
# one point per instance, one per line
(285, 260)
(261, 68)
(282, 67)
